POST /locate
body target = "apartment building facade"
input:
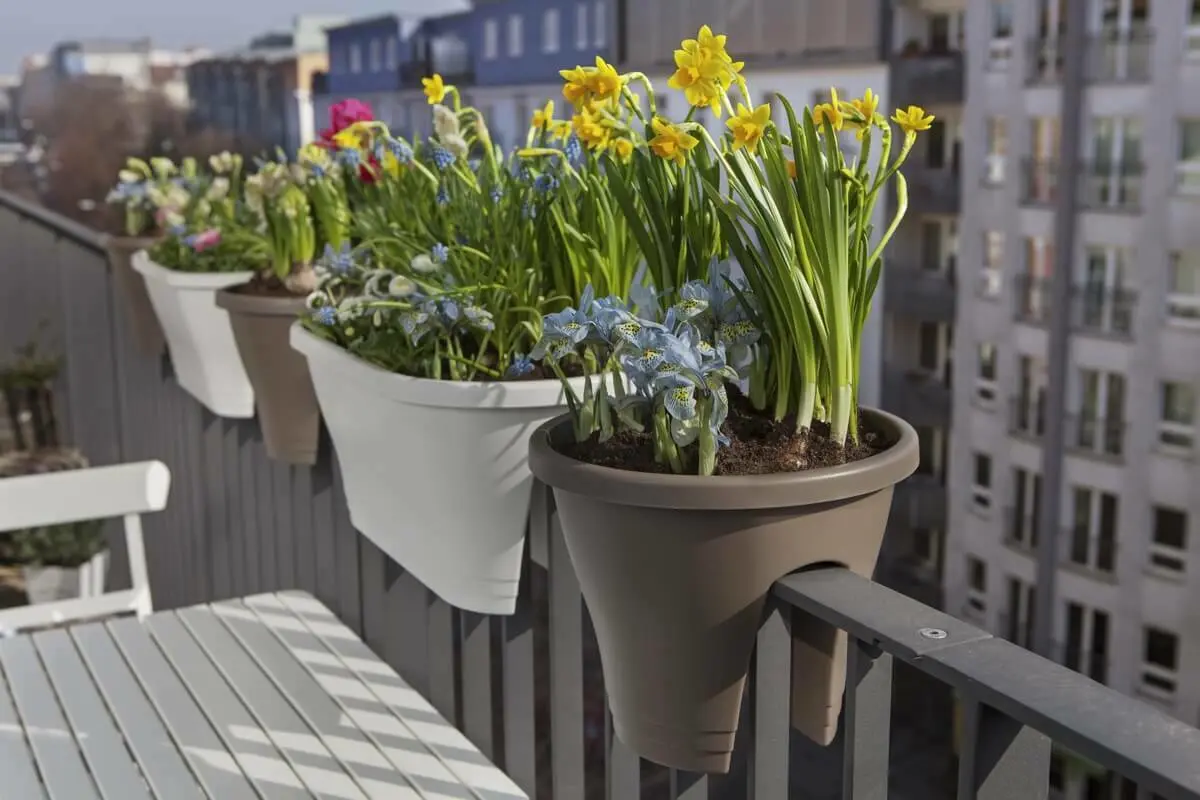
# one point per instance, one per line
(1106, 363)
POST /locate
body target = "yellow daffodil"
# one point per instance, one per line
(314, 154)
(748, 126)
(604, 82)
(544, 116)
(913, 119)
(593, 130)
(435, 89)
(671, 142)
(576, 87)
(622, 149)
(830, 112)
(349, 139)
(866, 106)
(715, 46)
(561, 129)
(391, 164)
(791, 168)
(699, 76)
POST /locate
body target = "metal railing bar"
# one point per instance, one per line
(868, 723)
(566, 673)
(477, 696)
(772, 687)
(56, 222)
(1001, 758)
(517, 693)
(1096, 722)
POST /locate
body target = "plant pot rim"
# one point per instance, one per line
(148, 267)
(727, 492)
(260, 304)
(542, 393)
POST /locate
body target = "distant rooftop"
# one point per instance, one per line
(105, 45)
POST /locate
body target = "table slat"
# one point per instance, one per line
(16, 760)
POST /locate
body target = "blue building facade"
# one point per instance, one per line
(529, 41)
(365, 56)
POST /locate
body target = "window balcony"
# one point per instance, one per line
(1101, 185)
(1088, 434)
(1110, 57)
(527, 689)
(925, 294)
(933, 190)
(1094, 310)
(917, 395)
(929, 79)
(921, 502)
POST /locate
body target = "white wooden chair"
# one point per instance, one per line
(125, 490)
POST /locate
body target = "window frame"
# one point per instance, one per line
(356, 58)
(982, 494)
(581, 26)
(391, 54)
(1187, 172)
(551, 30)
(1174, 435)
(514, 36)
(1183, 309)
(375, 54)
(987, 389)
(599, 23)
(491, 39)
(1163, 558)
(1157, 680)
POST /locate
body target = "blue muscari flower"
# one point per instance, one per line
(350, 157)
(449, 309)
(521, 366)
(573, 150)
(474, 164)
(479, 317)
(340, 261)
(545, 182)
(325, 315)
(317, 170)
(401, 150)
(178, 230)
(443, 159)
(496, 194)
(440, 253)
(443, 196)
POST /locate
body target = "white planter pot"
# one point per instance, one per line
(48, 584)
(436, 472)
(199, 335)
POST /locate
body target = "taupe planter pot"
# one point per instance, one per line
(283, 390)
(676, 569)
(147, 331)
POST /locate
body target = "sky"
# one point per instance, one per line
(32, 26)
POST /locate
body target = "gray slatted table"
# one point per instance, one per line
(266, 697)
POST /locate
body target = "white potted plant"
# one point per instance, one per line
(183, 274)
(418, 340)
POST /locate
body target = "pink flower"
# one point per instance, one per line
(345, 113)
(204, 241)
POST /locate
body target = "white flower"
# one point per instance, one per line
(456, 144)
(401, 286)
(157, 196)
(299, 176)
(163, 167)
(445, 121)
(177, 196)
(424, 263)
(129, 176)
(219, 189)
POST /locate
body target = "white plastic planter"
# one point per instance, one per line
(436, 472)
(199, 335)
(49, 584)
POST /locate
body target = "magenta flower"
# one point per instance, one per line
(204, 241)
(345, 113)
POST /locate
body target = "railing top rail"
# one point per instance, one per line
(57, 222)
(1093, 721)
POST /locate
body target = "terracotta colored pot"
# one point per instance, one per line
(283, 390)
(147, 331)
(675, 570)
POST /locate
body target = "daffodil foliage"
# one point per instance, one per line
(654, 368)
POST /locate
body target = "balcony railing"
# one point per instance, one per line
(919, 396)
(934, 190)
(1101, 185)
(1094, 309)
(926, 294)
(527, 689)
(929, 79)
(1087, 433)
(1027, 415)
(1110, 57)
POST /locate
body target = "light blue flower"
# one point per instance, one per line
(443, 196)
(350, 157)
(340, 261)
(325, 315)
(443, 159)
(496, 194)
(545, 183)
(440, 253)
(521, 366)
(573, 150)
(401, 150)
(479, 317)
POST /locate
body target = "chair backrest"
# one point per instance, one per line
(125, 490)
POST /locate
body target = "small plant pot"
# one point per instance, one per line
(143, 322)
(48, 584)
(436, 472)
(283, 391)
(675, 570)
(200, 335)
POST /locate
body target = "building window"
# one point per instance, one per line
(1027, 506)
(550, 31)
(1183, 289)
(927, 444)
(600, 23)
(516, 35)
(990, 278)
(1017, 623)
(491, 39)
(1168, 550)
(981, 486)
(1192, 32)
(1177, 416)
(1094, 530)
(391, 57)
(376, 55)
(976, 584)
(985, 379)
(1100, 425)
(1086, 649)
(581, 26)
(997, 149)
(1188, 168)
(929, 356)
(356, 64)
(1160, 663)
